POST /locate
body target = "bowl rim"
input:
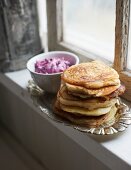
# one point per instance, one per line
(51, 52)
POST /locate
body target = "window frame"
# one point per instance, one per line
(121, 44)
(55, 41)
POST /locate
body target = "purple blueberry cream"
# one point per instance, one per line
(52, 65)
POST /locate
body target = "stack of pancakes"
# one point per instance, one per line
(88, 94)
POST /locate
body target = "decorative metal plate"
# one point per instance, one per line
(44, 101)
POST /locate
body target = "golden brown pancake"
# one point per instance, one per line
(88, 121)
(92, 75)
(82, 96)
(90, 103)
(104, 91)
(114, 94)
(85, 111)
(117, 92)
(86, 104)
(63, 92)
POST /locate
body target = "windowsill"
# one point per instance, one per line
(113, 150)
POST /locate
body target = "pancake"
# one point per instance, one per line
(104, 91)
(91, 75)
(117, 92)
(88, 121)
(85, 111)
(114, 94)
(64, 93)
(86, 104)
(90, 103)
(83, 96)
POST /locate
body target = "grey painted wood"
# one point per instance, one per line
(44, 141)
(16, 155)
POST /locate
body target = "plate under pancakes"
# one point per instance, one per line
(92, 75)
(45, 102)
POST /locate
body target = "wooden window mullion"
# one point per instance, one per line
(121, 34)
(121, 44)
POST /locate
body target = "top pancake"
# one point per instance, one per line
(92, 75)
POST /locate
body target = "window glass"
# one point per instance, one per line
(90, 25)
(41, 6)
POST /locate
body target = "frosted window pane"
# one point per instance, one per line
(90, 25)
(129, 47)
(41, 6)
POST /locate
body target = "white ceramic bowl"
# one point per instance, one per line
(50, 82)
